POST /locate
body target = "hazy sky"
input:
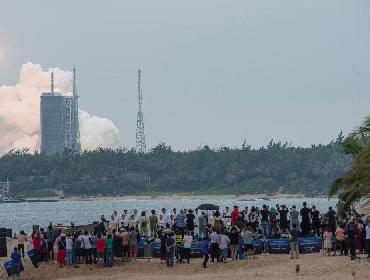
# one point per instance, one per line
(214, 72)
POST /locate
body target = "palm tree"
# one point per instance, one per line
(353, 188)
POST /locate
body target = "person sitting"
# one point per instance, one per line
(16, 260)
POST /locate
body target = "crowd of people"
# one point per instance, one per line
(219, 234)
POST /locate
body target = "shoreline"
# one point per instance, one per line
(244, 197)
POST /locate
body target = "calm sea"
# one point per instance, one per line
(20, 216)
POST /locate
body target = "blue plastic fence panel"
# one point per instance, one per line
(278, 246)
(309, 245)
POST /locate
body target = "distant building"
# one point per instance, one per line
(59, 121)
(52, 123)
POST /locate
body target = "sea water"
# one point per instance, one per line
(22, 216)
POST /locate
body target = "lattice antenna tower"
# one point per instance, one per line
(75, 123)
(140, 136)
(52, 81)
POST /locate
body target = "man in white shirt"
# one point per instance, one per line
(166, 218)
(86, 244)
(186, 243)
(223, 243)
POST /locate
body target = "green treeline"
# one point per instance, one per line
(275, 168)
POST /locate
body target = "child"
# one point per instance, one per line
(327, 241)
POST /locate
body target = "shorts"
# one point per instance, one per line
(125, 248)
(50, 246)
(248, 247)
(225, 252)
(100, 255)
(234, 247)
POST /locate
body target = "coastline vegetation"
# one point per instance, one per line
(275, 168)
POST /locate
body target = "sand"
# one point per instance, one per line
(312, 266)
(179, 197)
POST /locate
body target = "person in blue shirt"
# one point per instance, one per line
(204, 247)
(16, 260)
(93, 247)
(294, 242)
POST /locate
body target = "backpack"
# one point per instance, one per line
(77, 244)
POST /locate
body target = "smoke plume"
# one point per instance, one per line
(20, 112)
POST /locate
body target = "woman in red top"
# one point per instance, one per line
(234, 215)
(100, 247)
(36, 249)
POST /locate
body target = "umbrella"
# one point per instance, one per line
(206, 206)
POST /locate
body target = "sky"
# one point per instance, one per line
(214, 72)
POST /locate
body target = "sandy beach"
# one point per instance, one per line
(312, 266)
(245, 197)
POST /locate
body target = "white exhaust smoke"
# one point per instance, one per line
(20, 112)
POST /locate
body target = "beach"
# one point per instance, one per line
(312, 266)
(269, 266)
(246, 197)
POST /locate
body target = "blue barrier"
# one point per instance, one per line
(309, 245)
(258, 246)
(30, 253)
(278, 246)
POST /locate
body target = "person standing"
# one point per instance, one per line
(265, 221)
(143, 224)
(61, 258)
(86, 241)
(340, 239)
(133, 235)
(248, 242)
(331, 219)
(69, 249)
(358, 241)
(367, 235)
(36, 249)
(315, 220)
(125, 244)
(294, 218)
(223, 243)
(170, 249)
(186, 245)
(214, 245)
(202, 225)
(22, 240)
(234, 215)
(190, 221)
(204, 247)
(100, 248)
(181, 222)
(283, 224)
(108, 245)
(305, 214)
(327, 241)
(294, 252)
(351, 240)
(234, 241)
(153, 224)
(93, 247)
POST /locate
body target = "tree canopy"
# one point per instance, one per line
(277, 167)
(354, 186)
